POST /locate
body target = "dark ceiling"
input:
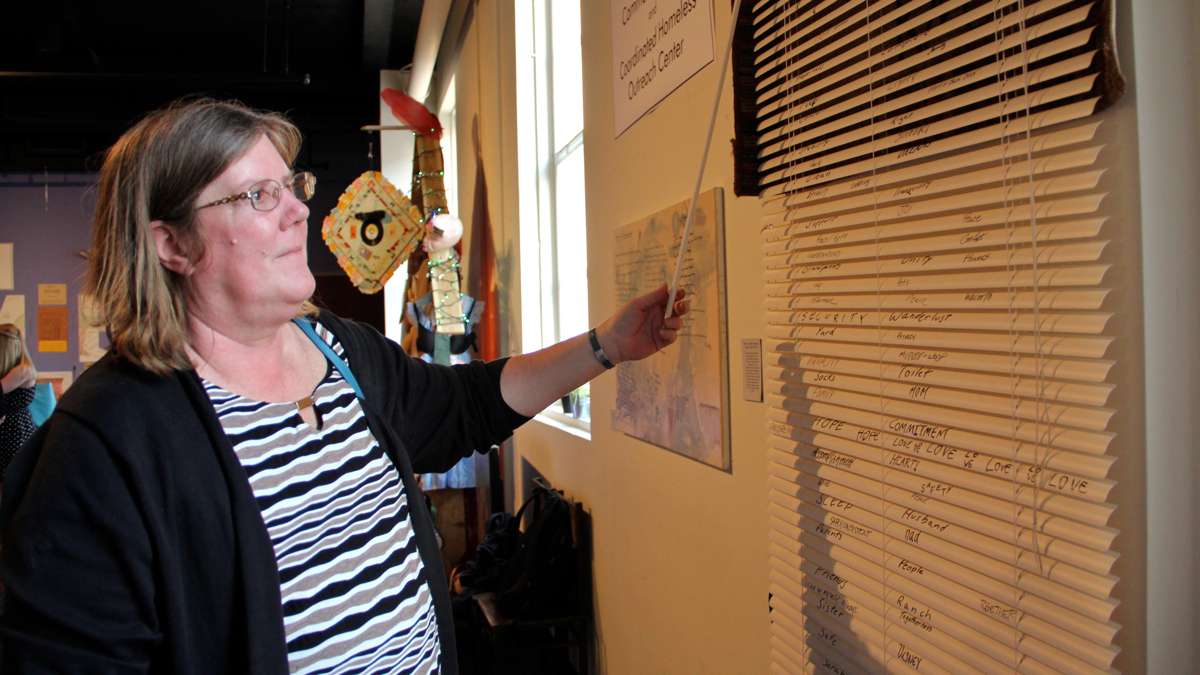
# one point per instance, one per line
(75, 73)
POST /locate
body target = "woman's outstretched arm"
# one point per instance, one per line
(530, 382)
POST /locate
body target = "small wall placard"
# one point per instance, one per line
(52, 294)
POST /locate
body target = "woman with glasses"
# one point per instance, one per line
(231, 489)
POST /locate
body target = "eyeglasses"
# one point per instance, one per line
(265, 194)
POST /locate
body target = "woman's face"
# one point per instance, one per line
(255, 263)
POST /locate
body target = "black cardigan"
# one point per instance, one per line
(131, 539)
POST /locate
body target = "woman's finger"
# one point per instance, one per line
(655, 297)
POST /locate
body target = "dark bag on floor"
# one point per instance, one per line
(538, 580)
(482, 573)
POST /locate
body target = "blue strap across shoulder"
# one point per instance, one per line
(342, 366)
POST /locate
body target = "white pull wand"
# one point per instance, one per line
(712, 122)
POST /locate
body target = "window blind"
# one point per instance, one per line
(939, 345)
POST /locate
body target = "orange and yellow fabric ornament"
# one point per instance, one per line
(373, 229)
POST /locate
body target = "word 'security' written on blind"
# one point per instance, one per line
(938, 351)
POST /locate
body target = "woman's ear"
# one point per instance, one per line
(171, 252)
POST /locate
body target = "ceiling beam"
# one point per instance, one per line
(377, 33)
(455, 33)
(425, 52)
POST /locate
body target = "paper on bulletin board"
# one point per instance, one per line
(52, 294)
(52, 329)
(678, 399)
(91, 334)
(13, 311)
(6, 267)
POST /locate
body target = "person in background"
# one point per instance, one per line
(231, 488)
(18, 381)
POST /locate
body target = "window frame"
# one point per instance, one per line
(538, 189)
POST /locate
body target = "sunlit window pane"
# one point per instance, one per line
(570, 218)
(567, 66)
(552, 204)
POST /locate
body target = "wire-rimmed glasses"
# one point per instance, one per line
(264, 195)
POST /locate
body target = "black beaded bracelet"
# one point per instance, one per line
(597, 350)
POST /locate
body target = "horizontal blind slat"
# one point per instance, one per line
(1001, 456)
(932, 422)
(877, 600)
(1066, 346)
(929, 476)
(1035, 409)
(904, 561)
(1059, 277)
(831, 49)
(1034, 530)
(1006, 151)
(797, 251)
(879, 212)
(784, 97)
(1055, 254)
(843, 583)
(911, 137)
(845, 630)
(942, 180)
(1017, 212)
(1043, 300)
(987, 476)
(1077, 323)
(1006, 383)
(979, 552)
(1094, 371)
(785, 20)
(1041, 511)
(848, 121)
(812, 485)
(857, 173)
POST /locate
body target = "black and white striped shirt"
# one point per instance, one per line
(354, 593)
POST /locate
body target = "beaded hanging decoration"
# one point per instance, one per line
(373, 229)
(445, 277)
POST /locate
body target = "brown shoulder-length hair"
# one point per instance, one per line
(155, 172)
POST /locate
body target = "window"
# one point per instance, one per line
(550, 156)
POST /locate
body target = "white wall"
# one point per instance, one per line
(395, 163)
(680, 548)
(1166, 57)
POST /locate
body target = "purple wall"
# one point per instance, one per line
(48, 227)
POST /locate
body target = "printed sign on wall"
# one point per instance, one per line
(656, 46)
